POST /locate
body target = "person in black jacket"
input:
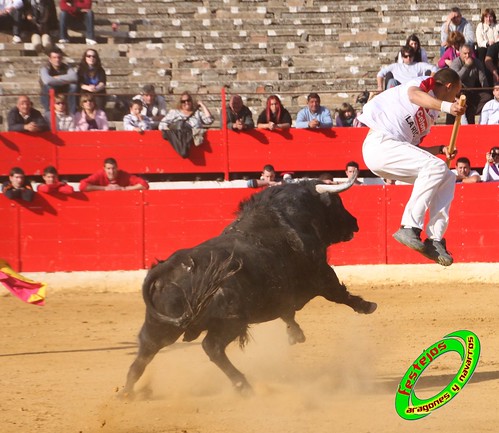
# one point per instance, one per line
(17, 186)
(24, 118)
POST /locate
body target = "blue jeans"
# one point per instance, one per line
(65, 18)
(70, 90)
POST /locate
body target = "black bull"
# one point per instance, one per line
(267, 264)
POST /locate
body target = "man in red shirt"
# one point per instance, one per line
(76, 11)
(52, 183)
(112, 179)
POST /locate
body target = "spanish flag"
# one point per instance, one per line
(25, 289)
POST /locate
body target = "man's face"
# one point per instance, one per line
(148, 98)
(313, 105)
(55, 60)
(268, 176)
(135, 109)
(407, 58)
(24, 105)
(496, 92)
(456, 18)
(463, 169)
(465, 53)
(450, 92)
(111, 171)
(350, 171)
(17, 180)
(50, 178)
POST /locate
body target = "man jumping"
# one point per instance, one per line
(399, 119)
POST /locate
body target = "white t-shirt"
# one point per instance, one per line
(404, 72)
(490, 113)
(472, 173)
(394, 115)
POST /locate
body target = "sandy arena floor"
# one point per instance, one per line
(62, 364)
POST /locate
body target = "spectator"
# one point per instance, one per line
(455, 23)
(92, 77)
(76, 12)
(267, 178)
(464, 173)
(63, 120)
(59, 76)
(17, 186)
(454, 42)
(472, 74)
(403, 72)
(52, 184)
(274, 116)
(490, 111)
(10, 15)
(487, 32)
(347, 116)
(314, 115)
(420, 54)
(492, 62)
(239, 117)
(41, 17)
(352, 168)
(110, 178)
(24, 118)
(90, 117)
(135, 120)
(153, 105)
(491, 169)
(195, 113)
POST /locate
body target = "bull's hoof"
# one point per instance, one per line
(366, 307)
(243, 388)
(126, 395)
(296, 336)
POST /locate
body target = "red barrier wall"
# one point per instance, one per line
(129, 230)
(223, 152)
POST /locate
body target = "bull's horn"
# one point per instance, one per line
(336, 189)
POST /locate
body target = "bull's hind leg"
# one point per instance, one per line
(335, 291)
(151, 340)
(295, 334)
(218, 337)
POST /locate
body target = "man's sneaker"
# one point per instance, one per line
(16, 39)
(437, 251)
(90, 41)
(410, 237)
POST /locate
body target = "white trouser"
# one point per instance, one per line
(433, 182)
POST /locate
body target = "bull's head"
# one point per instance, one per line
(342, 224)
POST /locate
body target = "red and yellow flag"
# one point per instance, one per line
(25, 289)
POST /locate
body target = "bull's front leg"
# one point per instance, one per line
(295, 334)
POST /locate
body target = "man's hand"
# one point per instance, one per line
(448, 155)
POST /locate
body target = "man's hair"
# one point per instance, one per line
(269, 168)
(148, 89)
(352, 164)
(407, 49)
(16, 170)
(463, 160)
(314, 96)
(55, 50)
(50, 169)
(110, 161)
(456, 9)
(447, 75)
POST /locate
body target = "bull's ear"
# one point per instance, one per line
(336, 189)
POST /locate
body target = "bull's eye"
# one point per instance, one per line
(187, 268)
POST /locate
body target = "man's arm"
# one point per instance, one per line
(13, 122)
(301, 119)
(326, 119)
(423, 99)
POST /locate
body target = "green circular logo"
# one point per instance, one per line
(467, 345)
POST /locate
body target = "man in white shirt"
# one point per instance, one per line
(399, 119)
(490, 111)
(456, 23)
(464, 173)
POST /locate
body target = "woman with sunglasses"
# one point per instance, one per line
(63, 120)
(92, 77)
(90, 117)
(491, 169)
(195, 113)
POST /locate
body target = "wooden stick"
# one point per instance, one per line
(453, 137)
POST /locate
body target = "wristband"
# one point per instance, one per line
(441, 150)
(446, 107)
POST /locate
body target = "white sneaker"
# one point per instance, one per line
(63, 41)
(16, 39)
(90, 41)
(46, 41)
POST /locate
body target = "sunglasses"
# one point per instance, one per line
(407, 56)
(60, 103)
(494, 155)
(88, 100)
(91, 56)
(185, 101)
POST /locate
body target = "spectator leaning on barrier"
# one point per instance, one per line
(239, 117)
(347, 116)
(472, 74)
(490, 111)
(41, 17)
(24, 118)
(52, 184)
(153, 105)
(90, 118)
(491, 169)
(110, 178)
(464, 173)
(274, 116)
(63, 120)
(59, 76)
(18, 187)
(76, 11)
(135, 120)
(10, 15)
(314, 115)
(267, 178)
(456, 23)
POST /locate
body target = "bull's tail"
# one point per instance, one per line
(204, 283)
